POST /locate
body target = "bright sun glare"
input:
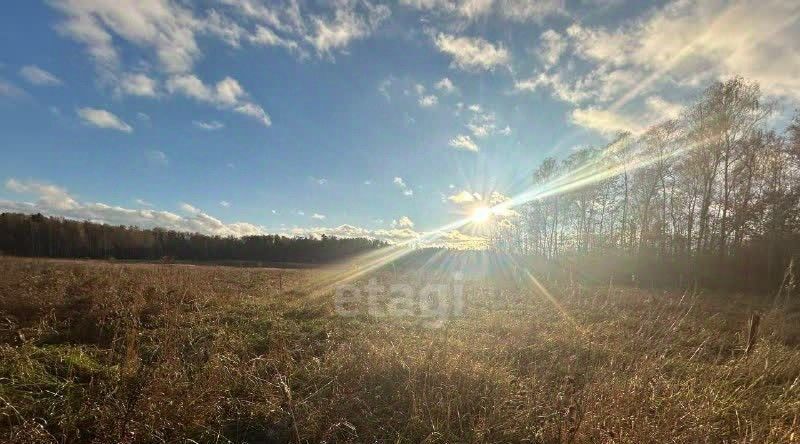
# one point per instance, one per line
(481, 214)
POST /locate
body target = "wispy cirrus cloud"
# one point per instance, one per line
(513, 10)
(472, 53)
(463, 142)
(610, 122)
(400, 183)
(618, 76)
(212, 125)
(38, 76)
(10, 90)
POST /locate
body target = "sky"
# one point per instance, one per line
(346, 117)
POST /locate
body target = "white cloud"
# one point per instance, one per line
(472, 53)
(428, 101)
(254, 111)
(226, 94)
(49, 196)
(143, 203)
(497, 198)
(514, 10)
(403, 222)
(691, 40)
(526, 10)
(446, 85)
(394, 236)
(267, 37)
(460, 241)
(156, 158)
(553, 45)
(224, 203)
(138, 85)
(189, 208)
(604, 121)
(480, 129)
(9, 90)
(284, 18)
(318, 216)
(347, 25)
(55, 201)
(331, 28)
(600, 85)
(164, 27)
(482, 124)
(425, 101)
(37, 76)
(449, 239)
(469, 200)
(208, 126)
(166, 30)
(171, 31)
(464, 197)
(661, 109)
(683, 44)
(103, 119)
(463, 142)
(400, 183)
(429, 4)
(633, 119)
(384, 86)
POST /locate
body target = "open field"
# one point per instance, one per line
(97, 352)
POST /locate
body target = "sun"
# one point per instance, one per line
(481, 214)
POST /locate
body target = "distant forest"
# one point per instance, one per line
(38, 235)
(712, 196)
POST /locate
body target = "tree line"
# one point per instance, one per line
(38, 235)
(712, 196)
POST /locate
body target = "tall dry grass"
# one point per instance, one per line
(95, 352)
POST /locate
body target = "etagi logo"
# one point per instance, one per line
(431, 302)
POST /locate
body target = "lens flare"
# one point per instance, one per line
(481, 214)
(602, 167)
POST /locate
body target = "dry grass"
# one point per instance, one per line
(94, 352)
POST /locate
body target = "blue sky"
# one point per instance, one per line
(348, 117)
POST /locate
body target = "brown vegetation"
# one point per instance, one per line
(96, 352)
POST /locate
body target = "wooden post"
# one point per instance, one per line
(752, 335)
